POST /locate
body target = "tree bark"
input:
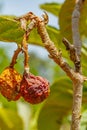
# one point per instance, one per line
(77, 103)
(78, 84)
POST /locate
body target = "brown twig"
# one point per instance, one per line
(24, 42)
(14, 58)
(51, 48)
(25, 50)
(73, 54)
(75, 30)
(77, 86)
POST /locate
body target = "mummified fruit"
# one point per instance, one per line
(10, 84)
(34, 89)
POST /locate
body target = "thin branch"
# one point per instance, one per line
(77, 85)
(77, 103)
(14, 58)
(25, 16)
(23, 23)
(27, 29)
(73, 54)
(72, 50)
(25, 50)
(75, 31)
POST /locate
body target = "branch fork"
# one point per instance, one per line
(75, 55)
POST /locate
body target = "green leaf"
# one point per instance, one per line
(10, 105)
(65, 19)
(53, 8)
(57, 106)
(83, 59)
(10, 31)
(83, 19)
(9, 120)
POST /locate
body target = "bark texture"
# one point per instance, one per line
(77, 84)
(75, 55)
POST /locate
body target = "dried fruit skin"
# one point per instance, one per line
(10, 83)
(34, 89)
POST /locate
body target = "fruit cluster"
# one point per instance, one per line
(34, 89)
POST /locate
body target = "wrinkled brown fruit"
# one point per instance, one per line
(34, 89)
(10, 84)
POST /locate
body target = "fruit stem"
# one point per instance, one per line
(26, 55)
(28, 29)
(15, 55)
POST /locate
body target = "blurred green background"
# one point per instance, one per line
(55, 112)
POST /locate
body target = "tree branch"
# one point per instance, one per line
(27, 29)
(77, 85)
(14, 58)
(75, 31)
(75, 52)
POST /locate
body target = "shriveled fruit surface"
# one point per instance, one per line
(34, 89)
(10, 83)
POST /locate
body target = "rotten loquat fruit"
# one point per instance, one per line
(10, 84)
(34, 89)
